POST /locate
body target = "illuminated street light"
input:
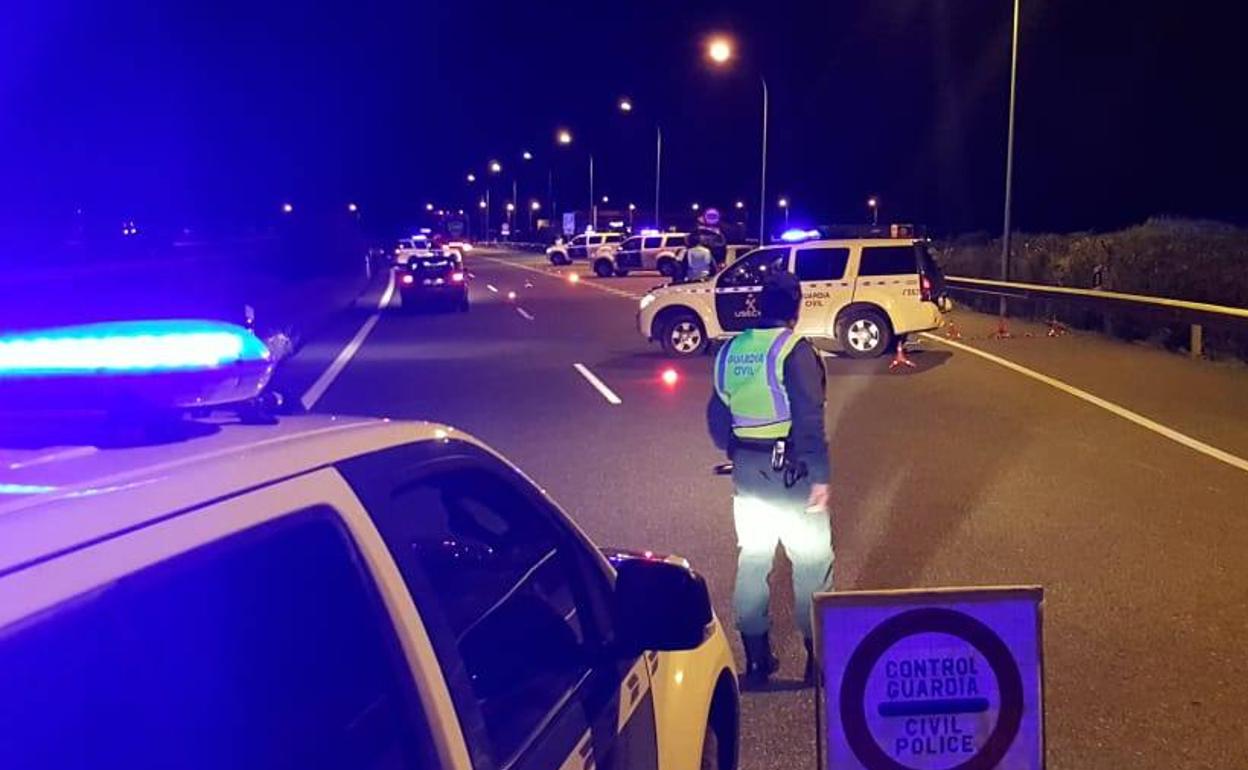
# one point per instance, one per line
(481, 203)
(632, 207)
(626, 105)
(527, 155)
(719, 49)
(740, 204)
(695, 207)
(461, 212)
(873, 203)
(784, 204)
(510, 207)
(428, 207)
(287, 208)
(605, 199)
(495, 167)
(564, 136)
(535, 206)
(441, 212)
(472, 178)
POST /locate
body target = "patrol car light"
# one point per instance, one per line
(797, 234)
(127, 347)
(457, 277)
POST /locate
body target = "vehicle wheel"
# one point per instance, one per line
(865, 334)
(710, 750)
(683, 335)
(603, 268)
(667, 268)
(620, 272)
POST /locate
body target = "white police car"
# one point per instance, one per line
(317, 592)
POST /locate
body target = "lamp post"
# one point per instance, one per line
(719, 50)
(784, 204)
(632, 209)
(626, 106)
(873, 203)
(534, 207)
(564, 137)
(1009, 159)
(495, 168)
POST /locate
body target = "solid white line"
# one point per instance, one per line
(314, 393)
(601, 386)
(1180, 438)
(65, 454)
(524, 314)
(491, 287)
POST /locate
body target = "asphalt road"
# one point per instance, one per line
(959, 472)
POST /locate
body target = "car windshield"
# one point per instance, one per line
(970, 311)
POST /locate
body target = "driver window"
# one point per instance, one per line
(753, 268)
(504, 580)
(579, 240)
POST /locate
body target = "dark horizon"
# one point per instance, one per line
(221, 113)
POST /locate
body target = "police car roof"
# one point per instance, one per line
(57, 498)
(858, 242)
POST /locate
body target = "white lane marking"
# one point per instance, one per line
(314, 393)
(492, 287)
(558, 276)
(64, 454)
(598, 384)
(1162, 430)
(526, 315)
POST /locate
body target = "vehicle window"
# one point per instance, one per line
(268, 649)
(821, 264)
(751, 269)
(888, 260)
(614, 238)
(505, 583)
(674, 241)
(653, 242)
(579, 240)
(632, 244)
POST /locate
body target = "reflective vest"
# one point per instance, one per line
(749, 378)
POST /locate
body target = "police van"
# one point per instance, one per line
(221, 588)
(859, 292)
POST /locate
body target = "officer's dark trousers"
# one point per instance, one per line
(766, 513)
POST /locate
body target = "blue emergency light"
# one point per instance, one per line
(797, 235)
(169, 363)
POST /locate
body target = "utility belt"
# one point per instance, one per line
(783, 456)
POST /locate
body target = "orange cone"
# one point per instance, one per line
(1002, 333)
(900, 360)
(1056, 329)
(952, 332)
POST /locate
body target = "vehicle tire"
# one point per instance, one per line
(683, 335)
(710, 750)
(667, 267)
(556, 258)
(603, 268)
(865, 334)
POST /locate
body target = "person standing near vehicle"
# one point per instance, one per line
(698, 259)
(767, 413)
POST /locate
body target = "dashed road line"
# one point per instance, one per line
(598, 384)
(492, 287)
(314, 393)
(526, 315)
(557, 276)
(1121, 411)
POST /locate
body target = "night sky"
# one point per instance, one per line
(218, 111)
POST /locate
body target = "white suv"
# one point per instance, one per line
(582, 246)
(659, 251)
(328, 593)
(860, 292)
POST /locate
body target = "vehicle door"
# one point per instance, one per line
(629, 255)
(825, 289)
(650, 246)
(250, 633)
(577, 248)
(518, 607)
(737, 287)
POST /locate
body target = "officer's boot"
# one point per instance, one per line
(808, 677)
(760, 663)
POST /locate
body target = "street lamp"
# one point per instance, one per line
(526, 155)
(626, 105)
(719, 51)
(354, 209)
(472, 178)
(287, 208)
(873, 203)
(1009, 160)
(428, 207)
(564, 136)
(534, 207)
(784, 204)
(632, 209)
(495, 167)
(605, 199)
(695, 207)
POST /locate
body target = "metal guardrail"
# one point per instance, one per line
(1195, 314)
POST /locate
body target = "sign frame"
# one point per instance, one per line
(934, 606)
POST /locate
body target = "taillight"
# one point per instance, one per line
(457, 277)
(925, 288)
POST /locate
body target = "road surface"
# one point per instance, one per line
(959, 472)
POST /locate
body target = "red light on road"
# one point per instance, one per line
(574, 278)
(408, 279)
(670, 377)
(457, 277)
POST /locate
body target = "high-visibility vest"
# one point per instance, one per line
(749, 378)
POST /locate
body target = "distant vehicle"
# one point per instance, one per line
(321, 592)
(463, 247)
(860, 293)
(659, 252)
(433, 277)
(407, 247)
(580, 247)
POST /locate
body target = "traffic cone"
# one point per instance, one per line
(900, 359)
(1056, 329)
(1002, 333)
(952, 332)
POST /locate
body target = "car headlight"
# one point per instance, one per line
(647, 301)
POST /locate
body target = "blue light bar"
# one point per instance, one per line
(797, 234)
(128, 347)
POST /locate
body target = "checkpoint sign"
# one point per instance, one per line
(947, 679)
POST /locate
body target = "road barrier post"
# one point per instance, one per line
(1197, 346)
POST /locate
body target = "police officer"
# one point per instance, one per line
(698, 259)
(767, 413)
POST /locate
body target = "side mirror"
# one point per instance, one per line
(659, 605)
